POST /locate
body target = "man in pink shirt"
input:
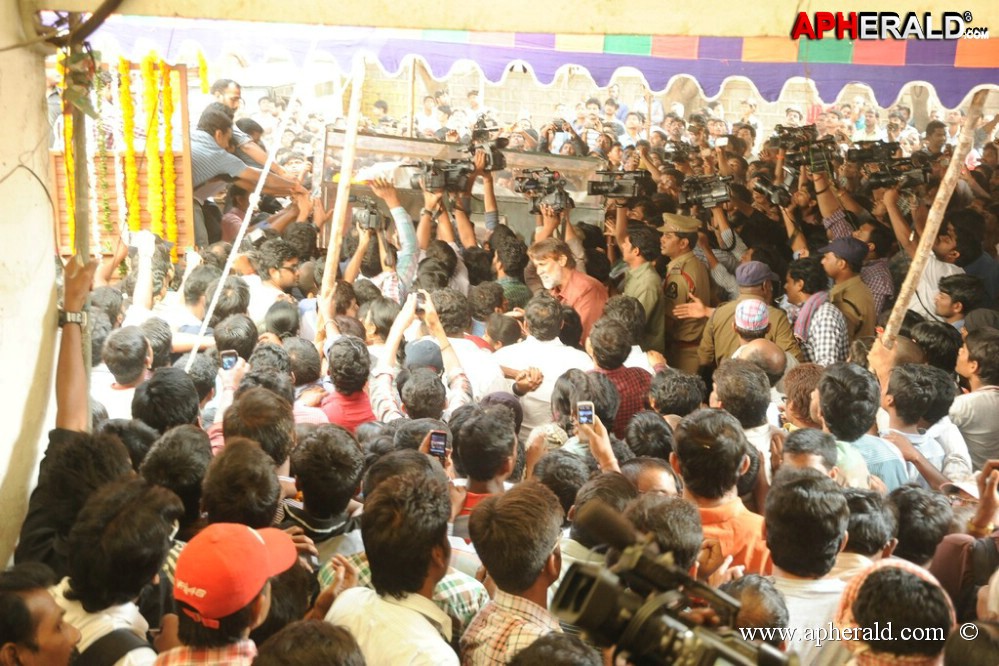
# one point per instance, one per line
(557, 272)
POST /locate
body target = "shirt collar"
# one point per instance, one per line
(528, 610)
(440, 620)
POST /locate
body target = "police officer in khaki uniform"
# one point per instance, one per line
(842, 259)
(686, 276)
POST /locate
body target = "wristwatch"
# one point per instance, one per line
(72, 318)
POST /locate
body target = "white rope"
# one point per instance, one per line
(254, 200)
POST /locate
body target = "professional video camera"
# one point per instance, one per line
(676, 151)
(622, 184)
(705, 191)
(872, 151)
(777, 194)
(447, 175)
(907, 172)
(816, 155)
(795, 138)
(543, 186)
(366, 214)
(495, 159)
(637, 605)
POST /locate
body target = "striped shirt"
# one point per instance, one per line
(209, 160)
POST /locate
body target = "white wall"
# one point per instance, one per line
(27, 275)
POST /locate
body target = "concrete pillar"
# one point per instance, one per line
(27, 275)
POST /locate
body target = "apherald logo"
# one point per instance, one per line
(887, 25)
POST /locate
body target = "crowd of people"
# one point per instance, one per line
(391, 466)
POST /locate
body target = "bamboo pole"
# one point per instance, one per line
(934, 220)
(412, 96)
(346, 172)
(648, 114)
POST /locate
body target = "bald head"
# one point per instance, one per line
(767, 356)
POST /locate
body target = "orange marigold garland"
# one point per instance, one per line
(69, 161)
(128, 131)
(169, 168)
(154, 169)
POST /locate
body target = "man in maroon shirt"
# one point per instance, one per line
(609, 345)
(557, 272)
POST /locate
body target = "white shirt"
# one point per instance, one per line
(551, 357)
(262, 297)
(117, 401)
(482, 370)
(759, 437)
(928, 286)
(411, 630)
(957, 463)
(975, 415)
(811, 604)
(638, 359)
(94, 626)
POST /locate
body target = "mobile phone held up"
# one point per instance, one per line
(584, 412)
(421, 300)
(438, 445)
(229, 359)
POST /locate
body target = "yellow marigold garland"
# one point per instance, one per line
(203, 73)
(128, 131)
(68, 162)
(154, 168)
(169, 168)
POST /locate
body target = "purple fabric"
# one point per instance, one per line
(926, 61)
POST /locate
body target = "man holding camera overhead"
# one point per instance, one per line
(686, 276)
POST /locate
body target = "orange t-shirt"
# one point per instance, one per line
(739, 531)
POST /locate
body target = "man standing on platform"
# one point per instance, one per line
(686, 277)
(640, 246)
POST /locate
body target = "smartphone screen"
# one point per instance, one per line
(229, 359)
(584, 411)
(438, 445)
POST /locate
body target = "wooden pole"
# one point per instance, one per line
(81, 194)
(185, 158)
(346, 173)
(412, 95)
(934, 220)
(648, 114)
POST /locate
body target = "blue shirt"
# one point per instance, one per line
(986, 269)
(883, 460)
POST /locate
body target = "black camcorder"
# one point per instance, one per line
(495, 159)
(872, 151)
(816, 155)
(676, 151)
(544, 187)
(638, 605)
(366, 214)
(442, 175)
(795, 138)
(778, 194)
(622, 184)
(705, 191)
(907, 172)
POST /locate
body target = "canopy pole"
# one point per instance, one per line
(412, 95)
(343, 187)
(934, 220)
(648, 114)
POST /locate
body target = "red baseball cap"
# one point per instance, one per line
(226, 565)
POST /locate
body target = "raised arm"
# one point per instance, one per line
(72, 394)
(907, 240)
(354, 267)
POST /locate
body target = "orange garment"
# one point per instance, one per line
(739, 531)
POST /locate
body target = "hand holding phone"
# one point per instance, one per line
(229, 359)
(584, 412)
(438, 445)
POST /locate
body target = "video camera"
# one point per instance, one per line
(816, 155)
(795, 138)
(872, 151)
(637, 605)
(543, 186)
(495, 159)
(676, 151)
(446, 175)
(907, 172)
(622, 184)
(778, 194)
(705, 191)
(366, 214)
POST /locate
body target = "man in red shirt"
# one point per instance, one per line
(348, 405)
(557, 272)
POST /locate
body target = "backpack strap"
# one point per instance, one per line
(108, 649)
